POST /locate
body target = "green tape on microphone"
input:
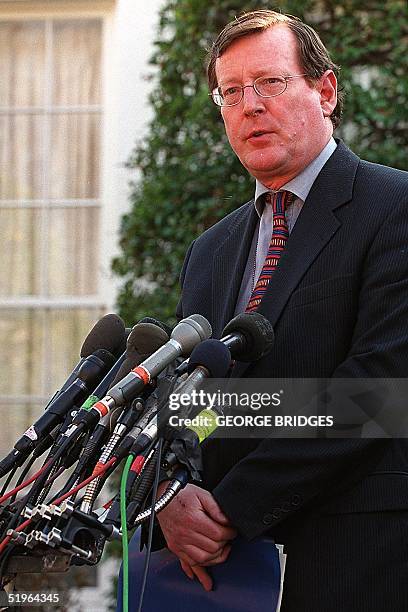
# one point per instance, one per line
(207, 423)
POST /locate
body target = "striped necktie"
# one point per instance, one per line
(279, 201)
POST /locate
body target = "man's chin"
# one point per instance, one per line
(263, 167)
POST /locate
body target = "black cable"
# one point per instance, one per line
(151, 525)
(9, 479)
(24, 473)
(4, 560)
(18, 483)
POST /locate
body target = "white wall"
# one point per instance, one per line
(129, 37)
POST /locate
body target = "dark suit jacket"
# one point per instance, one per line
(338, 303)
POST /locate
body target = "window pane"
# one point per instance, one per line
(77, 62)
(21, 157)
(20, 251)
(21, 355)
(73, 251)
(15, 420)
(68, 330)
(22, 62)
(24, 335)
(75, 146)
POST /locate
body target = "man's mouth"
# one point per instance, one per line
(256, 134)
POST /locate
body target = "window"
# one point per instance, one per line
(50, 149)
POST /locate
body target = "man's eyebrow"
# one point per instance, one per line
(255, 75)
(231, 80)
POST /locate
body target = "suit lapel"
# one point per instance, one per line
(314, 228)
(229, 264)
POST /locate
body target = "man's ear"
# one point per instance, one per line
(327, 87)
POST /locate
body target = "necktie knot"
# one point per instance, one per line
(279, 200)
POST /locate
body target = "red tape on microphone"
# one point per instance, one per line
(142, 373)
(101, 407)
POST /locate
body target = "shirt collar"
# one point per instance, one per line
(302, 183)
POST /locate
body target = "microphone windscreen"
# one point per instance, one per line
(108, 333)
(213, 355)
(146, 338)
(143, 340)
(258, 334)
(165, 327)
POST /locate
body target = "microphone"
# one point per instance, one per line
(211, 358)
(108, 333)
(89, 373)
(146, 337)
(184, 337)
(249, 337)
(56, 436)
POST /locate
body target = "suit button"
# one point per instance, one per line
(267, 519)
(296, 499)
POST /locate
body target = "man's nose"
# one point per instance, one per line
(252, 102)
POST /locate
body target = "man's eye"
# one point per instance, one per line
(271, 80)
(230, 91)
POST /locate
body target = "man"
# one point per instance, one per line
(336, 295)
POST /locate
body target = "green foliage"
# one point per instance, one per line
(189, 176)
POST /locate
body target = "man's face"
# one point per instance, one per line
(294, 126)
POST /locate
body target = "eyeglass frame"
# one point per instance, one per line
(242, 87)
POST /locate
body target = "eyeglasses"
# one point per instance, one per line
(266, 87)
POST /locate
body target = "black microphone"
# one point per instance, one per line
(108, 333)
(211, 355)
(55, 437)
(184, 337)
(107, 337)
(120, 367)
(249, 337)
(157, 323)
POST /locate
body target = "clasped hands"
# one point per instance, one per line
(196, 531)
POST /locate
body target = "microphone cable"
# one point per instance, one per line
(23, 474)
(157, 457)
(24, 484)
(155, 462)
(8, 480)
(125, 546)
(151, 524)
